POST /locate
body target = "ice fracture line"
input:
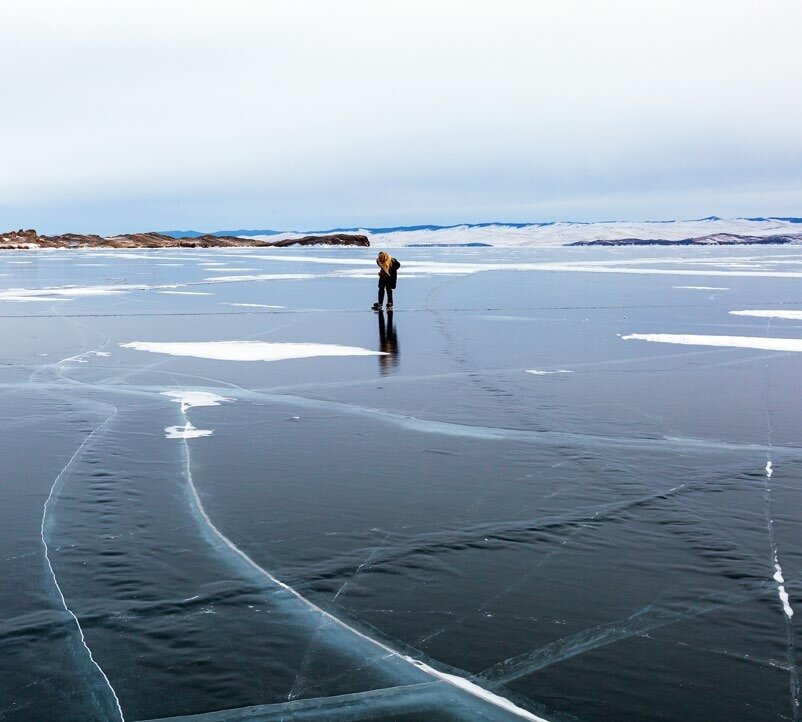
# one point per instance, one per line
(50, 565)
(775, 559)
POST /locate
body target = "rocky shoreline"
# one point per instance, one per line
(31, 240)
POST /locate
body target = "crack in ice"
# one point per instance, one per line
(53, 574)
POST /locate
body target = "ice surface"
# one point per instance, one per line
(426, 514)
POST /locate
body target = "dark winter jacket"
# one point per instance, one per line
(389, 280)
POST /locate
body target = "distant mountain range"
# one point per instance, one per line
(431, 227)
(712, 230)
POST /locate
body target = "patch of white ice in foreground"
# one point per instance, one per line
(767, 344)
(253, 305)
(186, 293)
(536, 372)
(249, 350)
(59, 293)
(794, 315)
(190, 399)
(188, 431)
(789, 612)
(704, 288)
(262, 277)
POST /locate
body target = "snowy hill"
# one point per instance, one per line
(704, 230)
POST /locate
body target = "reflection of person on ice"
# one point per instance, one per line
(388, 277)
(388, 343)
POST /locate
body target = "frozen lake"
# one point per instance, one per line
(558, 484)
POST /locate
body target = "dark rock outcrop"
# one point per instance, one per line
(27, 239)
(335, 239)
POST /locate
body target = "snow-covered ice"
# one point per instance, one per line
(248, 350)
(757, 342)
(771, 313)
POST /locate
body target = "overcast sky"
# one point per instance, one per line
(136, 115)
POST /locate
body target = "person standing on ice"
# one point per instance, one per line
(388, 277)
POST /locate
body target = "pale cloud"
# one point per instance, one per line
(131, 115)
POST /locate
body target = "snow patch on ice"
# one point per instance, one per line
(190, 399)
(27, 299)
(186, 293)
(610, 268)
(188, 431)
(704, 288)
(68, 293)
(771, 313)
(427, 269)
(60, 293)
(252, 305)
(537, 372)
(789, 612)
(326, 260)
(757, 342)
(780, 579)
(263, 277)
(249, 350)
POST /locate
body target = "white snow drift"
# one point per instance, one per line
(758, 342)
(188, 400)
(771, 313)
(249, 350)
